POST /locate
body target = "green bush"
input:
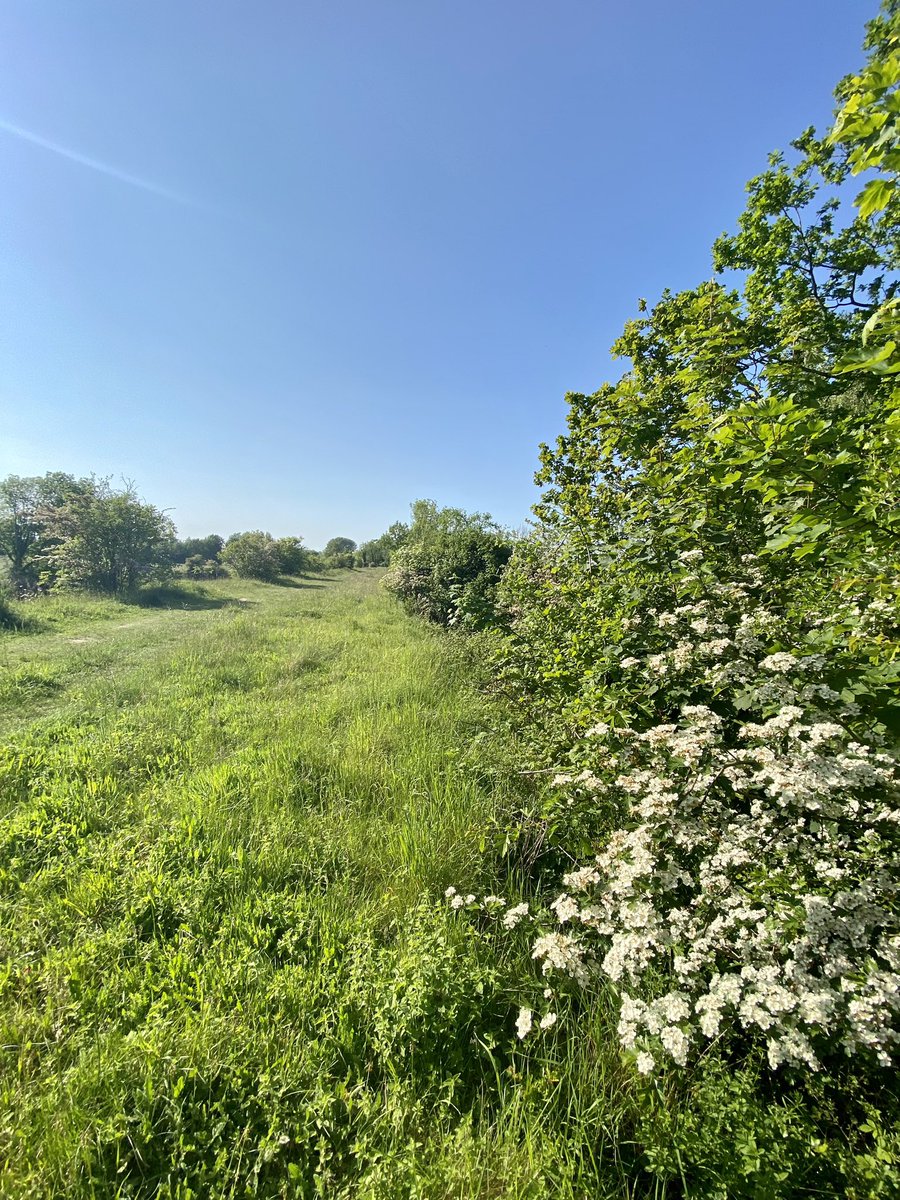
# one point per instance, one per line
(448, 568)
(704, 646)
(105, 540)
(292, 555)
(252, 555)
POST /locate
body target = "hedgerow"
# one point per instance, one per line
(703, 640)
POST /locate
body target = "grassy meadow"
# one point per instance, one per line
(228, 968)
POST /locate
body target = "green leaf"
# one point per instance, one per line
(874, 197)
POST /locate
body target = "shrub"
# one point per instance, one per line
(377, 553)
(705, 634)
(196, 567)
(340, 553)
(292, 555)
(106, 540)
(25, 536)
(205, 548)
(449, 567)
(252, 555)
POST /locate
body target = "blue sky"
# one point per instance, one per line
(290, 265)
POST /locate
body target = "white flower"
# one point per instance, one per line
(581, 880)
(514, 915)
(781, 662)
(565, 908)
(676, 1042)
(451, 891)
(523, 1023)
(627, 663)
(548, 1021)
(776, 855)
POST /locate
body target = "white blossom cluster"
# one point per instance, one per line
(757, 866)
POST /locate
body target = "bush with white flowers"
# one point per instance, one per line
(752, 857)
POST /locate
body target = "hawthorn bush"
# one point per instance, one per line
(703, 640)
(252, 555)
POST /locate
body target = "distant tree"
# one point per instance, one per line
(209, 547)
(252, 555)
(24, 535)
(292, 555)
(340, 545)
(339, 552)
(449, 565)
(106, 540)
(378, 551)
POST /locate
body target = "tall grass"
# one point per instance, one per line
(228, 971)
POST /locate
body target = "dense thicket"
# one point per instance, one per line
(257, 555)
(449, 564)
(205, 548)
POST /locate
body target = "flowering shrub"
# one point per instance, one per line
(702, 638)
(757, 856)
(754, 857)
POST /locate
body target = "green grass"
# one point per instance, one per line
(228, 969)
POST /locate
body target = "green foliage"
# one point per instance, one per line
(729, 509)
(106, 540)
(339, 553)
(743, 427)
(448, 566)
(252, 555)
(207, 549)
(377, 553)
(340, 545)
(292, 555)
(24, 534)
(196, 567)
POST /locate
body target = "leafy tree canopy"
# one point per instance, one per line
(703, 629)
(106, 539)
(206, 548)
(252, 555)
(24, 535)
(448, 565)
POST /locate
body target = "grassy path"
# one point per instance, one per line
(224, 829)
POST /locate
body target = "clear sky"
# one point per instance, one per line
(290, 264)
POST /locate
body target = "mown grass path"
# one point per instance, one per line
(225, 968)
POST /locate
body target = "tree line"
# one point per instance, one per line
(58, 531)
